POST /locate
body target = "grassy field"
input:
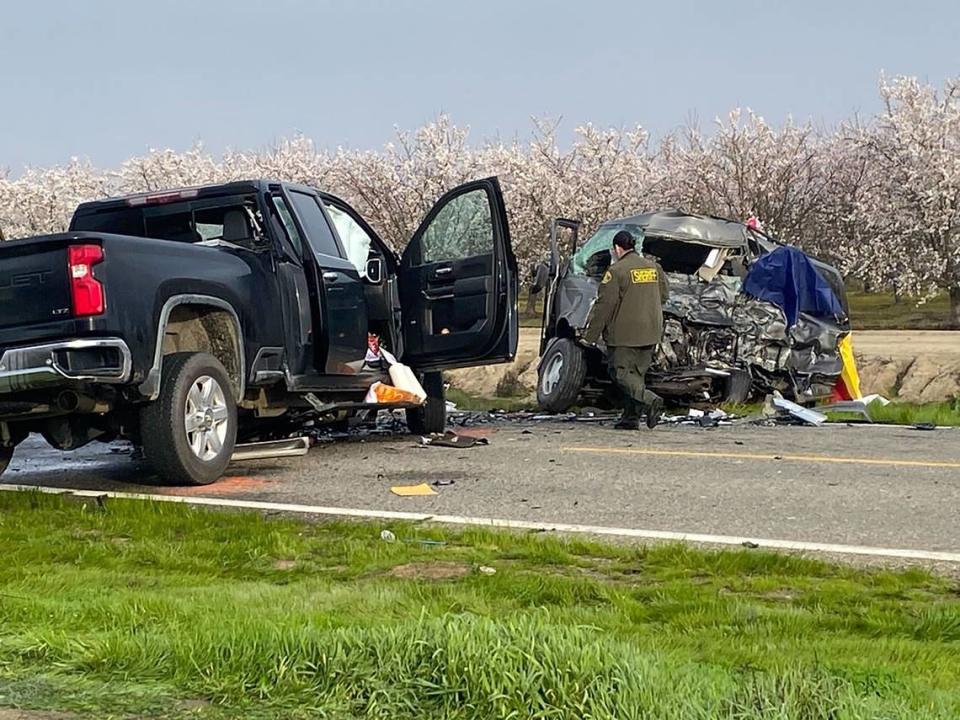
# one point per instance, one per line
(868, 311)
(133, 609)
(880, 311)
(945, 413)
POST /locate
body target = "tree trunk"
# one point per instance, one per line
(955, 307)
(531, 303)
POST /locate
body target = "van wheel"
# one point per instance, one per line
(563, 369)
(188, 433)
(431, 417)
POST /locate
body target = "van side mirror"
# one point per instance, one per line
(375, 271)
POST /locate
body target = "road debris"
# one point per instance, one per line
(486, 570)
(855, 407)
(450, 439)
(387, 536)
(778, 407)
(413, 490)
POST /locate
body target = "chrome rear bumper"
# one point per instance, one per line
(100, 360)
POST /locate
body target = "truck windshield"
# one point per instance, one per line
(601, 241)
(233, 220)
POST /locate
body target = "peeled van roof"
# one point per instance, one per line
(678, 225)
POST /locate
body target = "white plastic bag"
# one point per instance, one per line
(403, 378)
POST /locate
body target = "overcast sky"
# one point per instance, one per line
(104, 80)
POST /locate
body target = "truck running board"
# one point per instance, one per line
(291, 447)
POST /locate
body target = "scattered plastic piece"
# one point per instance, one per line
(380, 393)
(806, 415)
(387, 536)
(413, 490)
(452, 440)
(858, 407)
(484, 570)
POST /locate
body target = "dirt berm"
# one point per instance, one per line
(914, 366)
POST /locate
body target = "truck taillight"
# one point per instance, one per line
(85, 290)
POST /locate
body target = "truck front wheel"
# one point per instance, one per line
(189, 431)
(431, 417)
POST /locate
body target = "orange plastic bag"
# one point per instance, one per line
(388, 394)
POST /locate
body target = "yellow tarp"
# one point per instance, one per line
(849, 374)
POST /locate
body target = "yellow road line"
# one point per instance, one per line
(772, 456)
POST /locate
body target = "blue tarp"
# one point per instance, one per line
(787, 278)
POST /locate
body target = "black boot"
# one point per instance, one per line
(654, 410)
(627, 422)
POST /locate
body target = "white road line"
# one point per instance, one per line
(906, 554)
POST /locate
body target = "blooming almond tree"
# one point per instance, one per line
(43, 200)
(910, 208)
(748, 168)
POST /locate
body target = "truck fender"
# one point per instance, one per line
(150, 387)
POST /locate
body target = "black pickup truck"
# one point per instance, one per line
(179, 319)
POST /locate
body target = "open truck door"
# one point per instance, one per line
(458, 283)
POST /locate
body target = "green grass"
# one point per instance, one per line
(159, 610)
(897, 413)
(880, 311)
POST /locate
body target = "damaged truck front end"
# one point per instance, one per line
(720, 342)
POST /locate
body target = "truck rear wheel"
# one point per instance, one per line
(189, 431)
(560, 377)
(14, 436)
(431, 417)
(6, 455)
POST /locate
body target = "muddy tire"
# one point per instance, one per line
(431, 417)
(560, 377)
(6, 455)
(189, 431)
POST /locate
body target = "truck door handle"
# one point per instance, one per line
(331, 276)
(443, 271)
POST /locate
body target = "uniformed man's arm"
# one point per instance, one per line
(664, 287)
(603, 309)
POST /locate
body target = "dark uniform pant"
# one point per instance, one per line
(628, 368)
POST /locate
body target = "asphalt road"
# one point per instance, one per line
(854, 485)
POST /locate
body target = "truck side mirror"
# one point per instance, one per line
(375, 271)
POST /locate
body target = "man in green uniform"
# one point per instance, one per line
(629, 315)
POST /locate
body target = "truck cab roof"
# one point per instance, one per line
(158, 197)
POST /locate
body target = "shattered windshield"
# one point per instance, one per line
(601, 240)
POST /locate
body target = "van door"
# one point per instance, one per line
(458, 282)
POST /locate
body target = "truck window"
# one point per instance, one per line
(463, 228)
(289, 226)
(233, 220)
(314, 222)
(353, 238)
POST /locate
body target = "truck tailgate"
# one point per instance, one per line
(34, 287)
